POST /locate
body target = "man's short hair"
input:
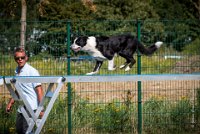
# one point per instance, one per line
(19, 49)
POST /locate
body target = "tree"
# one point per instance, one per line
(197, 6)
(23, 24)
(126, 9)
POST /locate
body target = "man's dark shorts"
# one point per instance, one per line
(21, 124)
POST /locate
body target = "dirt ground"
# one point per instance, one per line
(170, 90)
(107, 92)
(104, 92)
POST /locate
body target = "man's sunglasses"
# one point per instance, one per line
(18, 58)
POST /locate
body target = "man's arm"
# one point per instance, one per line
(39, 92)
(9, 105)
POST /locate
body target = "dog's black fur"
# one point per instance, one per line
(104, 48)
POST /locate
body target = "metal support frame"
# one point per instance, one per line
(33, 117)
(1, 80)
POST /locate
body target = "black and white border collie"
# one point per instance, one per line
(104, 48)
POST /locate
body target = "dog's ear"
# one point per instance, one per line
(81, 41)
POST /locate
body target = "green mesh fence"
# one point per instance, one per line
(110, 107)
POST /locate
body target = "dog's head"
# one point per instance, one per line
(79, 43)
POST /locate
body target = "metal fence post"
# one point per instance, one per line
(69, 84)
(139, 83)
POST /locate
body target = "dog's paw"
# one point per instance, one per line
(112, 69)
(122, 66)
(127, 68)
(91, 73)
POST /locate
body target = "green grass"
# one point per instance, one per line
(49, 65)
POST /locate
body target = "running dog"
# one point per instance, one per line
(104, 48)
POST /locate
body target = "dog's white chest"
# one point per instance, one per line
(97, 55)
(90, 48)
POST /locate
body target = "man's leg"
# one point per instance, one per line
(21, 124)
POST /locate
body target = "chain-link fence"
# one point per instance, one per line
(111, 107)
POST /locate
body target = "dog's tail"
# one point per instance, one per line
(149, 50)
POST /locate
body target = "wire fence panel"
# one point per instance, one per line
(46, 44)
(170, 106)
(167, 107)
(110, 107)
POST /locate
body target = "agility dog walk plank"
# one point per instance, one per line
(105, 78)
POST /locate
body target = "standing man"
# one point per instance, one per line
(32, 91)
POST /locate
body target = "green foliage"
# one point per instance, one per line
(154, 117)
(126, 9)
(7, 123)
(158, 112)
(57, 10)
(159, 115)
(171, 9)
(9, 36)
(193, 48)
(54, 10)
(114, 117)
(52, 37)
(152, 31)
(10, 9)
(82, 114)
(178, 33)
(8, 65)
(181, 114)
(57, 117)
(103, 27)
(104, 9)
(197, 110)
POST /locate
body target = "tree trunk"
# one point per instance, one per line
(197, 6)
(23, 24)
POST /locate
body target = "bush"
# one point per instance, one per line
(7, 123)
(193, 48)
(156, 114)
(181, 115)
(115, 117)
(197, 110)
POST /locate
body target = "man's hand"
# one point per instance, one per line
(9, 106)
(41, 114)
